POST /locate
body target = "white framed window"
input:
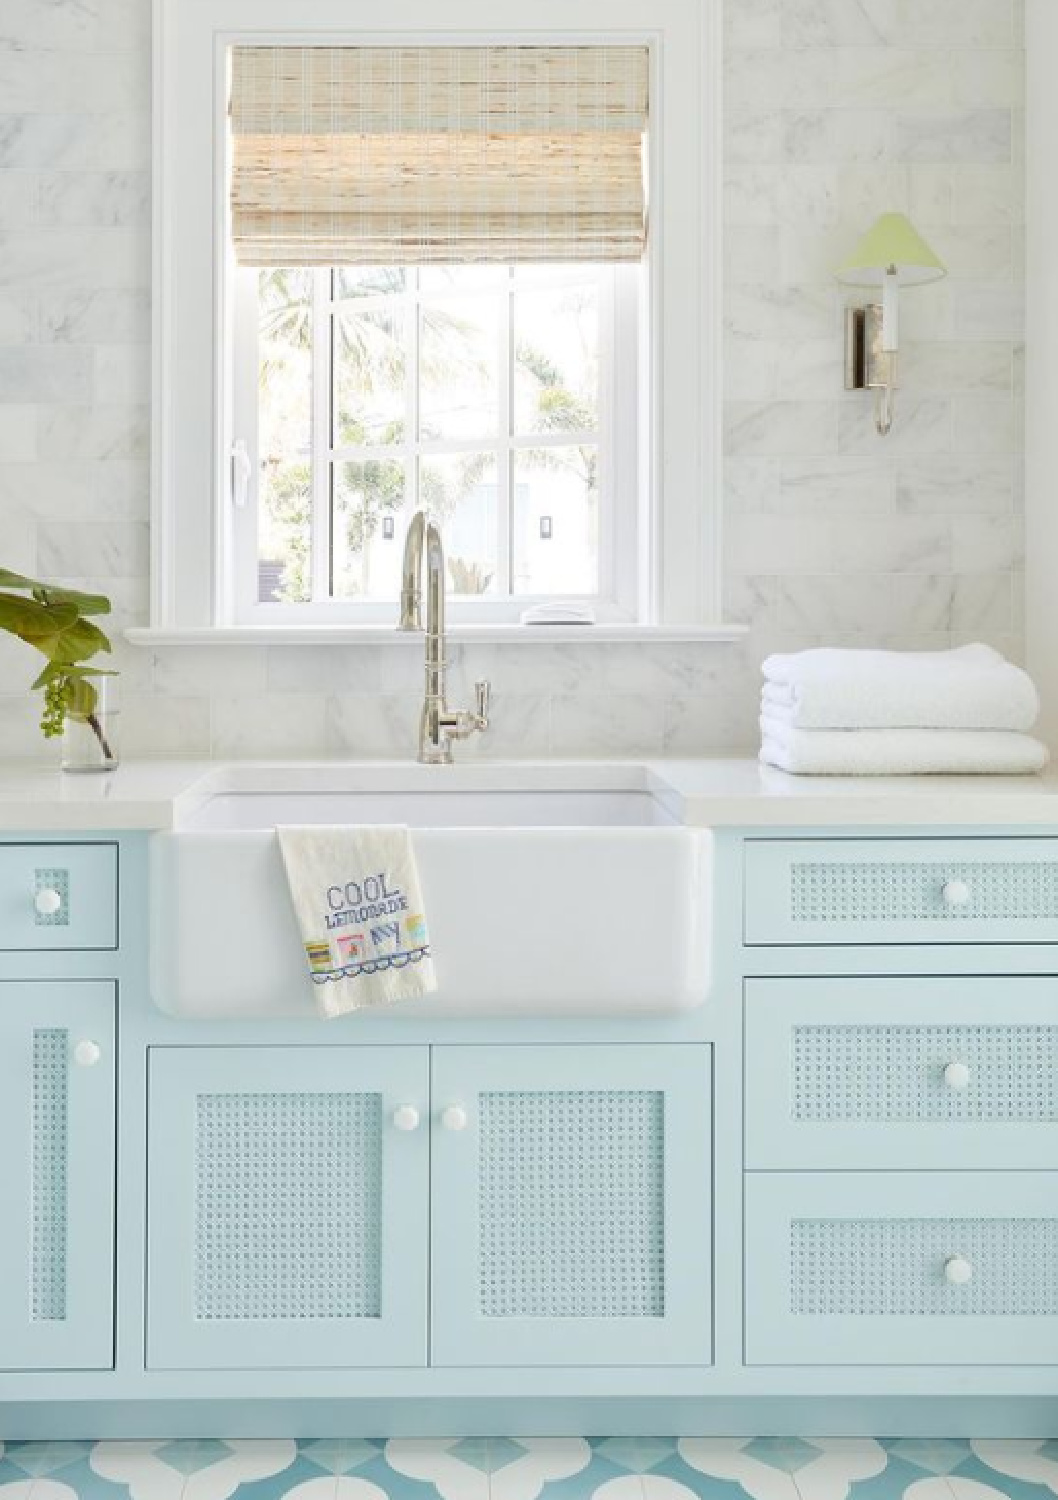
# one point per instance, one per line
(649, 549)
(502, 398)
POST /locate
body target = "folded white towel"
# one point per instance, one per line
(359, 906)
(899, 752)
(972, 687)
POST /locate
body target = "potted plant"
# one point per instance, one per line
(57, 622)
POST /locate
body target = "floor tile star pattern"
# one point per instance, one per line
(470, 1468)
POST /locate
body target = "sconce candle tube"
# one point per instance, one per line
(891, 311)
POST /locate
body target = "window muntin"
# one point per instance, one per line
(485, 392)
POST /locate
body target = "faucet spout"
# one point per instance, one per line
(438, 725)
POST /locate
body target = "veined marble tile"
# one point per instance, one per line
(781, 428)
(751, 599)
(835, 485)
(987, 195)
(21, 739)
(778, 544)
(94, 432)
(759, 195)
(908, 23)
(941, 368)
(120, 315)
(896, 544)
(988, 76)
(39, 81)
(835, 135)
(93, 260)
(67, 24)
(989, 312)
(122, 488)
(987, 544)
(771, 312)
(376, 725)
(984, 601)
(761, 78)
(751, 484)
(886, 77)
(18, 199)
(752, 255)
(122, 373)
(751, 368)
(826, 603)
(18, 433)
(812, 368)
(922, 425)
(255, 727)
(974, 253)
(972, 135)
(955, 485)
(19, 319)
(985, 424)
(753, 23)
(607, 724)
(519, 726)
(722, 724)
(105, 548)
(752, 134)
(46, 491)
(45, 375)
(931, 193)
(326, 669)
(185, 671)
(158, 724)
(115, 199)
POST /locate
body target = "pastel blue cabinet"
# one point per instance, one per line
(914, 1072)
(58, 897)
(57, 1165)
(902, 1268)
(287, 1207)
(883, 890)
(572, 1205)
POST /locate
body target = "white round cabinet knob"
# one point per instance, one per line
(47, 902)
(957, 1075)
(86, 1054)
(454, 1117)
(955, 893)
(958, 1270)
(406, 1117)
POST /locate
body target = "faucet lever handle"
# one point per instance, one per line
(483, 702)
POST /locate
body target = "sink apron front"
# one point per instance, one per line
(523, 921)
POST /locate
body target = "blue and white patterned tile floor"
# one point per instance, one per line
(525, 1468)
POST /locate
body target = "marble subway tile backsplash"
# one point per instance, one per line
(834, 111)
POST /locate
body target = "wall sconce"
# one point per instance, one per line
(891, 254)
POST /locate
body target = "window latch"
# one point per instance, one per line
(241, 469)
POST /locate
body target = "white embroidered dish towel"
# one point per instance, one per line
(358, 903)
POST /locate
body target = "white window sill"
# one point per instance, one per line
(387, 635)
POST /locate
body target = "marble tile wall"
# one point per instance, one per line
(834, 111)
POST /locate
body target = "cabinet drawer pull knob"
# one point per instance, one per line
(406, 1117)
(955, 893)
(86, 1054)
(47, 902)
(958, 1270)
(957, 1075)
(454, 1117)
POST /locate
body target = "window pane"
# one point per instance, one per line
(462, 491)
(368, 281)
(458, 278)
(555, 540)
(368, 529)
(459, 366)
(284, 435)
(370, 344)
(556, 359)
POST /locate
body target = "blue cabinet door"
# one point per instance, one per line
(571, 1205)
(287, 1207)
(57, 1175)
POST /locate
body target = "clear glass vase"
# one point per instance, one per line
(90, 743)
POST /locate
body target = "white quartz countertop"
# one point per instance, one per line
(708, 793)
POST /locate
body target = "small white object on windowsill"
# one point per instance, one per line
(556, 614)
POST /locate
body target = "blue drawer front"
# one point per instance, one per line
(902, 1073)
(58, 897)
(922, 1268)
(828, 891)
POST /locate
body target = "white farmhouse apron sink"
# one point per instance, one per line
(548, 890)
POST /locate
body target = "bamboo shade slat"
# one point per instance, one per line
(420, 155)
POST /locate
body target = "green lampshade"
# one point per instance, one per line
(892, 241)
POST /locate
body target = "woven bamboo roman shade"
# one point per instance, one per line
(418, 155)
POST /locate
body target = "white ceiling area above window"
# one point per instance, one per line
(443, 265)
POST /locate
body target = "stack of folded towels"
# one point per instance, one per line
(830, 712)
